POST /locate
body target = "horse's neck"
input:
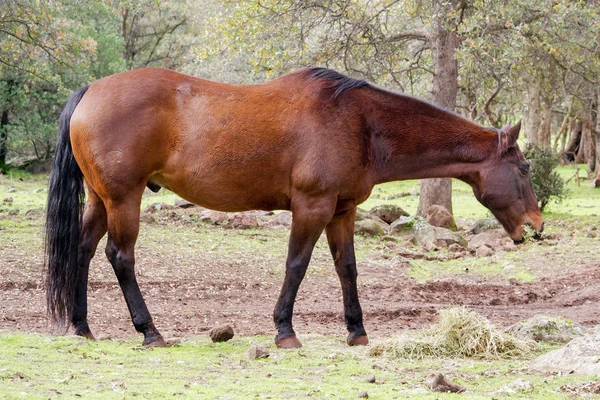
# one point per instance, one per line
(419, 141)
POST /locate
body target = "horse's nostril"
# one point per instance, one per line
(542, 227)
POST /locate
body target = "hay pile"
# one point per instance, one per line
(458, 333)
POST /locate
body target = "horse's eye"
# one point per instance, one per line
(524, 168)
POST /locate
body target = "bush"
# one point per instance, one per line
(547, 183)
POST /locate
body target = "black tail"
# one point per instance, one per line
(63, 221)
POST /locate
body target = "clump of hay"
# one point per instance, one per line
(459, 332)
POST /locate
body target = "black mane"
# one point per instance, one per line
(340, 82)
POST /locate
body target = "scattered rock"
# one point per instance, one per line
(484, 251)
(388, 213)
(402, 225)
(424, 232)
(440, 216)
(369, 227)
(455, 248)
(184, 204)
(146, 218)
(450, 238)
(491, 238)
(221, 333)
(12, 213)
(441, 384)
(213, 217)
(485, 224)
(518, 386)
(509, 247)
(157, 207)
(579, 357)
(258, 351)
(549, 329)
(12, 190)
(243, 221)
(361, 214)
(363, 395)
(371, 379)
(282, 220)
(8, 200)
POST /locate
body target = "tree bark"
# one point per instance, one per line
(545, 126)
(597, 134)
(3, 138)
(444, 43)
(532, 121)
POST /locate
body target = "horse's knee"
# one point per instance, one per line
(347, 271)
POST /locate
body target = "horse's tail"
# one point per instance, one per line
(63, 221)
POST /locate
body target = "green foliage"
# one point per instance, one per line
(547, 182)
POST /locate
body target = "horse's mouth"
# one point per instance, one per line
(537, 233)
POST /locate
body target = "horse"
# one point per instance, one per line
(314, 142)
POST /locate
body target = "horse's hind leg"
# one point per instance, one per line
(92, 230)
(340, 235)
(123, 228)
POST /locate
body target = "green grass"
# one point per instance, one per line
(41, 367)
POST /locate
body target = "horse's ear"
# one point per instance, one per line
(512, 134)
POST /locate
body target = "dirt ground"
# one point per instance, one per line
(189, 294)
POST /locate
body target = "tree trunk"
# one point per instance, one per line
(597, 134)
(532, 121)
(545, 127)
(3, 138)
(445, 88)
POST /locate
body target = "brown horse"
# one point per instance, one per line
(314, 142)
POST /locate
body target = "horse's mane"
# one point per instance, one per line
(340, 83)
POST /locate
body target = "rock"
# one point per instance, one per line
(213, 217)
(509, 247)
(8, 200)
(221, 333)
(402, 225)
(363, 395)
(361, 214)
(484, 251)
(243, 221)
(424, 232)
(282, 220)
(371, 379)
(549, 329)
(369, 227)
(146, 218)
(490, 238)
(455, 248)
(430, 246)
(484, 225)
(579, 357)
(440, 216)
(518, 386)
(12, 213)
(12, 190)
(184, 204)
(388, 213)
(258, 351)
(450, 238)
(441, 384)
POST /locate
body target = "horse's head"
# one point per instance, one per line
(503, 185)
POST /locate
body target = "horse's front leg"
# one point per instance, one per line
(340, 235)
(310, 216)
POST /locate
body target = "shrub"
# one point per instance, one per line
(547, 183)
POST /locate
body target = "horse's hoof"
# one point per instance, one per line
(290, 342)
(155, 342)
(86, 333)
(359, 341)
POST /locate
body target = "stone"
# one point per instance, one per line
(484, 224)
(12, 190)
(221, 333)
(402, 225)
(371, 379)
(212, 217)
(579, 357)
(490, 238)
(450, 238)
(484, 251)
(184, 204)
(363, 395)
(388, 213)
(282, 220)
(424, 233)
(518, 386)
(548, 329)
(509, 247)
(361, 214)
(440, 216)
(13, 213)
(8, 200)
(455, 248)
(369, 227)
(146, 218)
(441, 384)
(258, 351)
(243, 221)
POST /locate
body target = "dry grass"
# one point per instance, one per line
(459, 332)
